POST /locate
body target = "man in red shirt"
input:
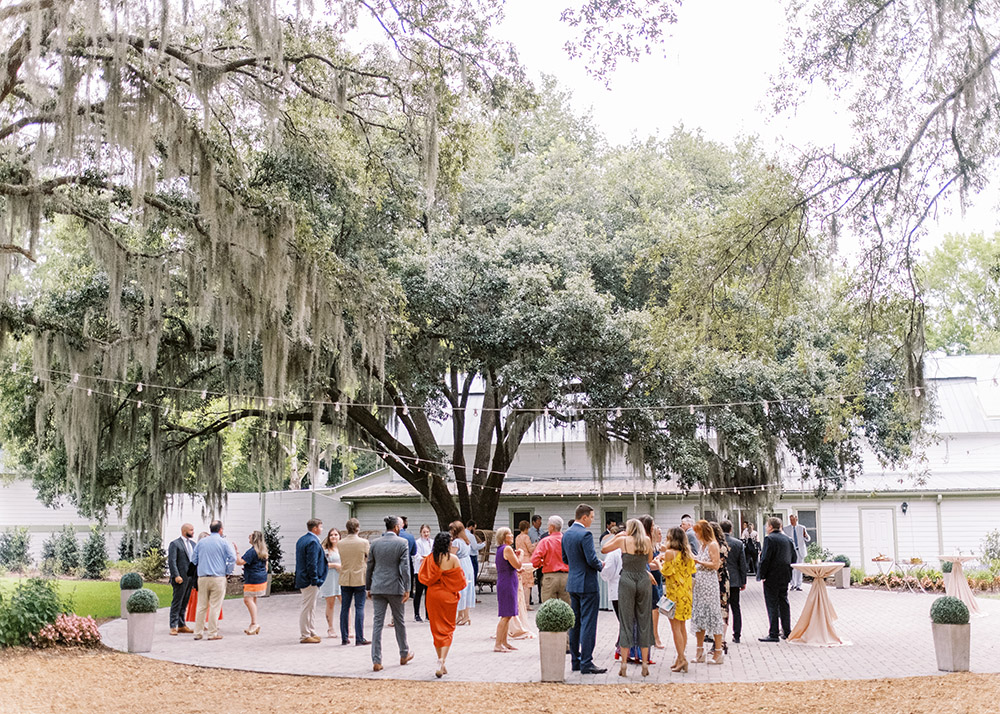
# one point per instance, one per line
(548, 556)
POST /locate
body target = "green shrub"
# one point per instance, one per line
(14, 549)
(33, 604)
(857, 575)
(817, 552)
(95, 555)
(67, 550)
(282, 582)
(554, 616)
(946, 566)
(842, 559)
(153, 564)
(273, 542)
(949, 610)
(991, 546)
(142, 600)
(130, 581)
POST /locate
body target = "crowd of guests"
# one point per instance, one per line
(693, 573)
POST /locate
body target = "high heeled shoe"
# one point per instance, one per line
(718, 659)
(699, 655)
(681, 666)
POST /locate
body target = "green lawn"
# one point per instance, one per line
(97, 598)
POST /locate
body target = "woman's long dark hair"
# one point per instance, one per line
(441, 547)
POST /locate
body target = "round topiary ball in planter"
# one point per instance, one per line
(949, 610)
(129, 583)
(946, 566)
(553, 619)
(842, 559)
(952, 634)
(141, 606)
(554, 616)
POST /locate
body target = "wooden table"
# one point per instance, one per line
(815, 623)
(957, 585)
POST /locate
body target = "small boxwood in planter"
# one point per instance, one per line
(130, 581)
(842, 559)
(946, 566)
(554, 616)
(949, 610)
(142, 600)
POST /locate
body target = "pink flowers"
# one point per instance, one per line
(69, 631)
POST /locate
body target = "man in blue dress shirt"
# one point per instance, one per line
(215, 559)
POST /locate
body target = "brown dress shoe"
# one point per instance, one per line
(407, 658)
(310, 640)
(185, 629)
(173, 631)
(376, 667)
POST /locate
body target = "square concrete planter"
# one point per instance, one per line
(140, 631)
(951, 645)
(126, 594)
(552, 648)
(842, 578)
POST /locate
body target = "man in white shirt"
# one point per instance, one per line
(800, 537)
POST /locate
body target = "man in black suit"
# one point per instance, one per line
(181, 578)
(736, 564)
(775, 569)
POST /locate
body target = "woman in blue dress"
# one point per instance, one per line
(330, 589)
(463, 551)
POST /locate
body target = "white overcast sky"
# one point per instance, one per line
(715, 76)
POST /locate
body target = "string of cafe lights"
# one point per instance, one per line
(410, 462)
(277, 403)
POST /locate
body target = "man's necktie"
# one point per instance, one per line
(795, 533)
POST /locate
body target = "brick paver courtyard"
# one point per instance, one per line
(890, 634)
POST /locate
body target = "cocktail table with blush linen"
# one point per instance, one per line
(957, 585)
(815, 623)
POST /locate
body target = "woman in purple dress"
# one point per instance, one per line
(508, 564)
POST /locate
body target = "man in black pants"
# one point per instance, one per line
(736, 564)
(775, 569)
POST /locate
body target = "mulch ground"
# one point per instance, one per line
(102, 680)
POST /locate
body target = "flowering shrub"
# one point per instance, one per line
(69, 631)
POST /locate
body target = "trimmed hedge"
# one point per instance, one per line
(949, 610)
(554, 616)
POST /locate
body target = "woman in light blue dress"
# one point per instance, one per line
(463, 550)
(330, 589)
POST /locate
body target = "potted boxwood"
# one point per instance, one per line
(553, 619)
(129, 583)
(951, 629)
(842, 578)
(142, 606)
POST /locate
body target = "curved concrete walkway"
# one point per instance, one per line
(890, 632)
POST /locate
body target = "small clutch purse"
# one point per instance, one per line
(667, 606)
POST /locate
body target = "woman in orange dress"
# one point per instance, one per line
(442, 574)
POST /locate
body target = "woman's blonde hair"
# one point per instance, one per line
(637, 532)
(257, 541)
(501, 535)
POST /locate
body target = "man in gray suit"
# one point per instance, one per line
(387, 581)
(736, 564)
(687, 523)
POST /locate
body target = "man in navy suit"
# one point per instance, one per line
(579, 554)
(310, 572)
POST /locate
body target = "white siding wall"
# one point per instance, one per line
(967, 521)
(19, 506)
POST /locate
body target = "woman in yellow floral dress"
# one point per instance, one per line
(677, 569)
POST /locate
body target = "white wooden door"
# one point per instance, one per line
(876, 529)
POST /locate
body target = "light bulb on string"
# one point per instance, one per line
(475, 412)
(691, 409)
(618, 413)
(274, 434)
(204, 394)
(138, 387)
(336, 406)
(34, 378)
(406, 410)
(138, 404)
(90, 392)
(76, 377)
(916, 391)
(14, 367)
(842, 400)
(270, 402)
(767, 409)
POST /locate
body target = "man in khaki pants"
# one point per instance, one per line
(215, 559)
(310, 573)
